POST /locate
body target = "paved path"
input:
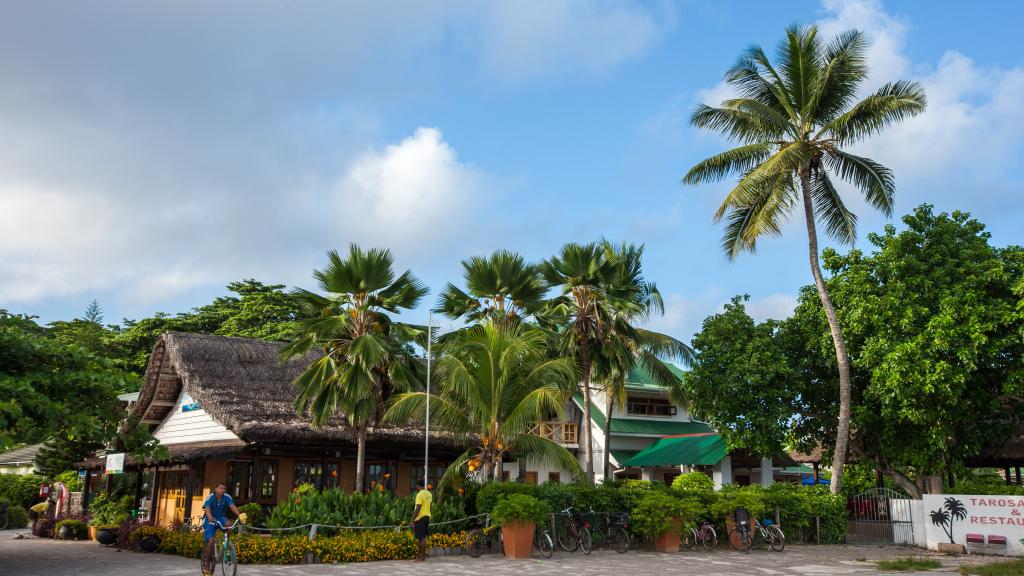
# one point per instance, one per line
(37, 557)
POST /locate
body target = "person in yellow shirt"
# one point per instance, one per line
(421, 519)
(38, 511)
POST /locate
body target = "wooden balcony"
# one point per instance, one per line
(564, 433)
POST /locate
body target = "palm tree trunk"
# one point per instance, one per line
(842, 360)
(588, 446)
(361, 459)
(609, 406)
(497, 469)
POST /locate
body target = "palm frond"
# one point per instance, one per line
(766, 207)
(893, 102)
(839, 222)
(738, 160)
(871, 178)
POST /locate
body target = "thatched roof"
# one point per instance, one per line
(243, 385)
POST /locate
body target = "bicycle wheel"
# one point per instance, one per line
(586, 540)
(228, 559)
(709, 538)
(740, 540)
(621, 539)
(688, 539)
(545, 544)
(567, 537)
(778, 542)
(475, 542)
(758, 537)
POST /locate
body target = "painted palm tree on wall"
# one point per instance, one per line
(951, 511)
(795, 118)
(497, 381)
(365, 354)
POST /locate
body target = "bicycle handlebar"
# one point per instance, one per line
(223, 527)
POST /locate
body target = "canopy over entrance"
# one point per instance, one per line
(705, 449)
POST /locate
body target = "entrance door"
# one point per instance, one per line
(172, 497)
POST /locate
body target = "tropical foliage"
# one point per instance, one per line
(501, 287)
(364, 356)
(795, 119)
(497, 382)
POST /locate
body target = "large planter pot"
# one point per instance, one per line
(149, 544)
(668, 541)
(66, 533)
(518, 539)
(92, 532)
(106, 536)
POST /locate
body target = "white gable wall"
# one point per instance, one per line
(193, 425)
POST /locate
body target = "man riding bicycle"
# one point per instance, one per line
(215, 516)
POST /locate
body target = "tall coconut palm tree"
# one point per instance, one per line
(500, 287)
(794, 118)
(365, 355)
(626, 345)
(497, 382)
(579, 315)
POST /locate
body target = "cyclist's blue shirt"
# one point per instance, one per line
(219, 508)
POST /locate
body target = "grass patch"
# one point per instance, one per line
(908, 564)
(1008, 568)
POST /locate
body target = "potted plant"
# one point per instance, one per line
(661, 518)
(71, 529)
(518, 516)
(106, 534)
(148, 538)
(107, 516)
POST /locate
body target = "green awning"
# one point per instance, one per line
(643, 426)
(691, 449)
(622, 456)
(801, 469)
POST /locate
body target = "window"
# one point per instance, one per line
(239, 474)
(308, 472)
(381, 474)
(554, 476)
(332, 478)
(267, 480)
(643, 406)
(434, 475)
(531, 477)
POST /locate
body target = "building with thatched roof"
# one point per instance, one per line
(222, 408)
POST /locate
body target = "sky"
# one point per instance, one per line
(152, 152)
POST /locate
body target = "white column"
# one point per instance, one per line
(684, 468)
(646, 473)
(767, 475)
(722, 473)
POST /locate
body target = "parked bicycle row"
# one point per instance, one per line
(585, 530)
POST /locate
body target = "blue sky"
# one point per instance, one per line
(153, 152)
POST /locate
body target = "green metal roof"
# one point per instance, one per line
(643, 426)
(692, 449)
(622, 456)
(640, 379)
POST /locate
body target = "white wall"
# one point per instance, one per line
(598, 398)
(192, 426)
(986, 515)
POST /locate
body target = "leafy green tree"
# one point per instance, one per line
(87, 332)
(49, 390)
(741, 381)
(501, 287)
(365, 355)
(793, 119)
(498, 381)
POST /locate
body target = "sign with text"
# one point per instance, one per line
(115, 463)
(951, 517)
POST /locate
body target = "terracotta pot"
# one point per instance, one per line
(669, 541)
(92, 532)
(518, 539)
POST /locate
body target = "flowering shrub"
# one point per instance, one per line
(188, 544)
(340, 508)
(138, 534)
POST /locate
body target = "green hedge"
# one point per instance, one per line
(21, 489)
(17, 516)
(340, 508)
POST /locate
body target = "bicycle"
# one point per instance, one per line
(705, 534)
(542, 541)
(617, 535)
(769, 533)
(575, 532)
(740, 537)
(224, 554)
(480, 539)
(190, 525)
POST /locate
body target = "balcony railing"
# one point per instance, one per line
(560, 432)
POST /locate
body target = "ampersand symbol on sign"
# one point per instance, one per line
(1015, 512)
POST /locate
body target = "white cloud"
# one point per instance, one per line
(410, 197)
